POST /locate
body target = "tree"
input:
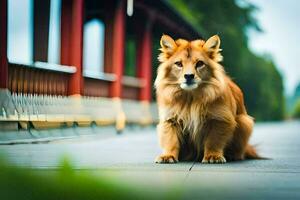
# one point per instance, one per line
(257, 76)
(296, 113)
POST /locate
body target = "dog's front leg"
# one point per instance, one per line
(168, 139)
(218, 135)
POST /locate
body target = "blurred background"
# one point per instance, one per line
(259, 46)
(112, 47)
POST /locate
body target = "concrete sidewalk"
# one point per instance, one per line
(129, 158)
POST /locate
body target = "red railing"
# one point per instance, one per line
(31, 79)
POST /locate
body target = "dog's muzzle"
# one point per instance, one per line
(189, 78)
(189, 83)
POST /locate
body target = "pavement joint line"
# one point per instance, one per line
(192, 165)
(186, 177)
(188, 172)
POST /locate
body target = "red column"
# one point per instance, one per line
(109, 23)
(144, 62)
(71, 41)
(3, 45)
(118, 48)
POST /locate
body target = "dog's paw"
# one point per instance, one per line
(166, 159)
(213, 158)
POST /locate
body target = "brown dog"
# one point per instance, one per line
(202, 113)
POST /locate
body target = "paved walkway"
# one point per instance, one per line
(129, 158)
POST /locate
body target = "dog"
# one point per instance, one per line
(202, 116)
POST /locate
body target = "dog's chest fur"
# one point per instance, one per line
(190, 116)
(189, 119)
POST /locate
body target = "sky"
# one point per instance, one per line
(280, 21)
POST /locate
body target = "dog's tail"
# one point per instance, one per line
(251, 153)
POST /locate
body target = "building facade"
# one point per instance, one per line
(106, 49)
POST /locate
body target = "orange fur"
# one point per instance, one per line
(202, 113)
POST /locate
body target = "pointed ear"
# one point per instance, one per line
(212, 44)
(212, 47)
(167, 44)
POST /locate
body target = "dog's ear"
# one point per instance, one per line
(168, 47)
(167, 44)
(212, 48)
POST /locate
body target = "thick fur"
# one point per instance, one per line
(206, 120)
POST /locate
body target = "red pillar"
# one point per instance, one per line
(71, 41)
(144, 61)
(118, 48)
(3, 45)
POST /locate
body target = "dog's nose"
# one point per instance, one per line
(189, 77)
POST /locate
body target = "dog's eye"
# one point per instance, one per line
(178, 63)
(199, 64)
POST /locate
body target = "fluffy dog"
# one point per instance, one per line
(201, 110)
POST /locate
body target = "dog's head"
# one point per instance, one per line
(189, 64)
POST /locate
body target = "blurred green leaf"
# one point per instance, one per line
(67, 183)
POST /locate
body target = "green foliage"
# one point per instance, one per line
(67, 183)
(296, 112)
(292, 100)
(257, 76)
(130, 62)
